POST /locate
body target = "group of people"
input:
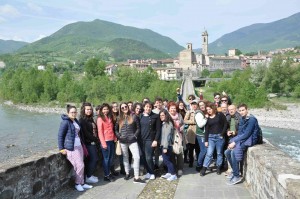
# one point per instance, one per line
(180, 133)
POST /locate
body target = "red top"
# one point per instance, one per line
(105, 131)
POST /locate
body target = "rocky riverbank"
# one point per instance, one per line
(37, 109)
(285, 119)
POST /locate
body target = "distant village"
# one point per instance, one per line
(189, 62)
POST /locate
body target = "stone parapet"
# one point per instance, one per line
(270, 173)
(34, 177)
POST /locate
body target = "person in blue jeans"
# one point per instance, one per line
(246, 137)
(91, 140)
(167, 133)
(215, 130)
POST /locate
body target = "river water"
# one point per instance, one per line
(24, 133)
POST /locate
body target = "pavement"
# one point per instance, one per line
(190, 185)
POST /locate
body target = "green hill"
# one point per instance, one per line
(99, 36)
(9, 46)
(263, 36)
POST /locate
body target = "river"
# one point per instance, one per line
(24, 133)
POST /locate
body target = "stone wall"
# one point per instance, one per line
(34, 177)
(270, 173)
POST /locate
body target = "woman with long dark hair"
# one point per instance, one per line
(127, 130)
(107, 139)
(90, 134)
(215, 130)
(70, 143)
(167, 134)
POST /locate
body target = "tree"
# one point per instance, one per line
(217, 74)
(94, 67)
(205, 73)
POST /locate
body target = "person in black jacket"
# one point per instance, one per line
(89, 130)
(149, 137)
(127, 129)
(215, 131)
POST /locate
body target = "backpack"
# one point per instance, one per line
(259, 136)
(256, 137)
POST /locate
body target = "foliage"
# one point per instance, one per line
(29, 85)
(205, 73)
(217, 74)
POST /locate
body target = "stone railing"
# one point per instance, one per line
(34, 177)
(270, 173)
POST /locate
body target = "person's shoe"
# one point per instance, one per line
(95, 177)
(219, 171)
(156, 167)
(152, 177)
(147, 176)
(111, 176)
(139, 180)
(86, 186)
(198, 168)
(202, 172)
(91, 180)
(172, 177)
(79, 187)
(108, 179)
(127, 177)
(235, 180)
(166, 176)
(190, 165)
(180, 172)
(229, 176)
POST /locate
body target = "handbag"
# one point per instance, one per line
(118, 148)
(85, 151)
(177, 145)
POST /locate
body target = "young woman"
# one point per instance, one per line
(215, 130)
(150, 135)
(90, 135)
(107, 139)
(167, 132)
(137, 108)
(127, 131)
(178, 124)
(70, 144)
(182, 108)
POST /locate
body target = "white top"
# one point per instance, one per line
(77, 139)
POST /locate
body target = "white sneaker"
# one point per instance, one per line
(152, 177)
(147, 176)
(91, 180)
(180, 172)
(78, 187)
(95, 177)
(86, 186)
(166, 176)
(172, 177)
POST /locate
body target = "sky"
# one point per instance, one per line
(181, 20)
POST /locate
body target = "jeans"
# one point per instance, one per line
(214, 141)
(108, 156)
(147, 155)
(203, 150)
(134, 148)
(229, 153)
(167, 160)
(92, 160)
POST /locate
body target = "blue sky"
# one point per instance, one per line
(183, 21)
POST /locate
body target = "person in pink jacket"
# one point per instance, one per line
(107, 139)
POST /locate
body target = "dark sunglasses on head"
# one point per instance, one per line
(124, 107)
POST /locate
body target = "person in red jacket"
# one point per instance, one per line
(107, 139)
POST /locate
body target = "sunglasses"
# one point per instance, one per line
(124, 107)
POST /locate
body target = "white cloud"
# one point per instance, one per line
(34, 7)
(9, 11)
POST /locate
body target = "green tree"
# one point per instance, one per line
(216, 74)
(205, 73)
(94, 67)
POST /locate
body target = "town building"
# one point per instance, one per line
(168, 73)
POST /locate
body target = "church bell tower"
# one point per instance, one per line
(205, 43)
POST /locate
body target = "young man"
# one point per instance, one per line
(237, 145)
